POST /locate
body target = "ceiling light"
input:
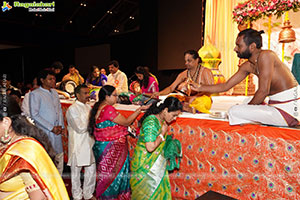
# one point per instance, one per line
(131, 17)
(71, 22)
(93, 26)
(116, 31)
(109, 12)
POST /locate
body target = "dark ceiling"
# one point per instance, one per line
(72, 21)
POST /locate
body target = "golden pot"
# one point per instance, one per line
(211, 63)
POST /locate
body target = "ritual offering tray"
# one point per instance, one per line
(218, 115)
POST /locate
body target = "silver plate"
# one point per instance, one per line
(218, 115)
(70, 86)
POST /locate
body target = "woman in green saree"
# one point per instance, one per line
(150, 178)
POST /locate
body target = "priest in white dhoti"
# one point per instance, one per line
(275, 81)
(80, 145)
(280, 110)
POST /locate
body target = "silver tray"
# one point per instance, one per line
(218, 115)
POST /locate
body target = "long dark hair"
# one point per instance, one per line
(106, 90)
(21, 126)
(172, 103)
(145, 73)
(90, 76)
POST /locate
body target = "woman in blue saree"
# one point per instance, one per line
(96, 79)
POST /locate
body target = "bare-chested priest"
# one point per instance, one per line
(193, 101)
(274, 80)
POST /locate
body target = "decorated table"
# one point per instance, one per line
(244, 162)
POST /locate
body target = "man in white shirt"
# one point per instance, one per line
(117, 78)
(80, 145)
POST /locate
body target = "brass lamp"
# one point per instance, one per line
(287, 34)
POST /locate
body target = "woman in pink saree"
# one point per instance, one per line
(147, 82)
(145, 85)
(109, 128)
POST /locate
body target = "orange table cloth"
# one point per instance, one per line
(244, 162)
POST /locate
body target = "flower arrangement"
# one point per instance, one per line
(247, 11)
(286, 6)
(252, 10)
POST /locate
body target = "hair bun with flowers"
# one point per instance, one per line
(158, 103)
(31, 121)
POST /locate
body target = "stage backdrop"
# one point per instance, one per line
(222, 31)
(179, 29)
(86, 57)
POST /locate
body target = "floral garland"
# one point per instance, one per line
(253, 10)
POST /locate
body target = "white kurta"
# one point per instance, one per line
(80, 142)
(119, 81)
